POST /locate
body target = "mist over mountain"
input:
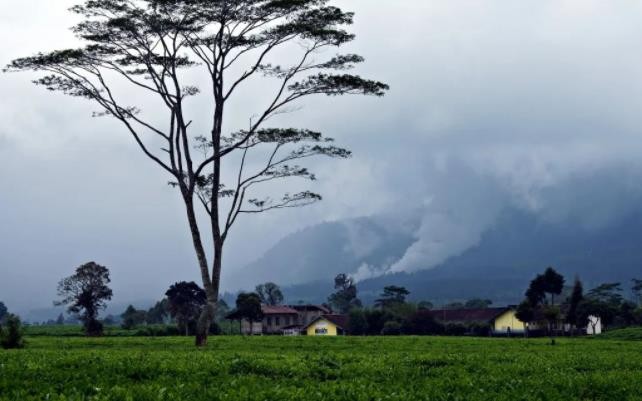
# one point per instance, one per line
(510, 252)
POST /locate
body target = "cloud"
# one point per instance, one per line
(493, 104)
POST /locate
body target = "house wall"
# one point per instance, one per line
(274, 323)
(322, 328)
(508, 320)
(254, 328)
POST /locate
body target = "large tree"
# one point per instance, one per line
(269, 293)
(149, 44)
(85, 293)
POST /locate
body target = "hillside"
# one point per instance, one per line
(516, 247)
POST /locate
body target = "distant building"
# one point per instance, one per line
(500, 320)
(280, 319)
(328, 325)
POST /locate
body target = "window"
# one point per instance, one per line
(278, 321)
(269, 321)
(321, 331)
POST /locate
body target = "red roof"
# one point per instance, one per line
(277, 310)
(467, 315)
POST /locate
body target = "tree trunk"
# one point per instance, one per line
(207, 315)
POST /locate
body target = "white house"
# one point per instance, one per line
(594, 326)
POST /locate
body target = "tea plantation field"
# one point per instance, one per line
(348, 368)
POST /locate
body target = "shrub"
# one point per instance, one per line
(391, 328)
(12, 336)
(358, 323)
(422, 322)
(455, 329)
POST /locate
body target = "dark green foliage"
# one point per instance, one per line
(132, 318)
(3, 311)
(376, 319)
(525, 312)
(391, 328)
(626, 314)
(85, 293)
(185, 302)
(604, 301)
(574, 301)
(159, 313)
(12, 333)
(477, 303)
(358, 323)
(248, 306)
(269, 293)
(345, 298)
(455, 329)
(422, 322)
(391, 296)
(636, 288)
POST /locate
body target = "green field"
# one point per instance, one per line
(305, 368)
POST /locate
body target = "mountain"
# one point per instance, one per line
(517, 246)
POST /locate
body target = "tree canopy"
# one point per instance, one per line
(86, 293)
(269, 293)
(345, 297)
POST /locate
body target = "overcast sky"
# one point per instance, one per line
(533, 104)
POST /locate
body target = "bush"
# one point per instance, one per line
(422, 322)
(456, 329)
(358, 323)
(479, 329)
(93, 328)
(12, 336)
(391, 328)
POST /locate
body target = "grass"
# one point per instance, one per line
(627, 334)
(305, 368)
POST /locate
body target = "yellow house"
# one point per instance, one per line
(507, 322)
(327, 325)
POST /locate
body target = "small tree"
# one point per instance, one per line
(85, 293)
(159, 313)
(270, 294)
(478, 303)
(345, 297)
(525, 313)
(132, 317)
(248, 306)
(60, 320)
(572, 315)
(553, 283)
(392, 295)
(13, 335)
(358, 322)
(4, 311)
(185, 302)
(636, 288)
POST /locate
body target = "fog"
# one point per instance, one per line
(492, 104)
